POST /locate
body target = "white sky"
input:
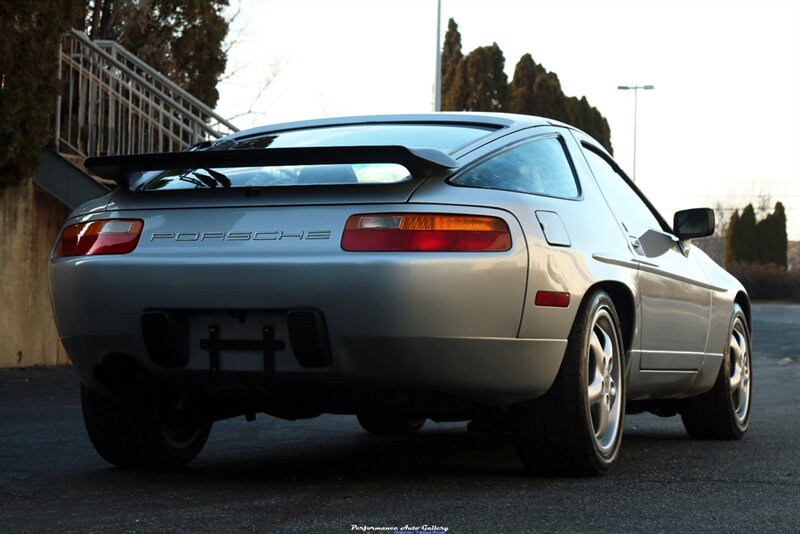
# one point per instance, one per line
(722, 125)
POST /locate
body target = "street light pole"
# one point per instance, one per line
(437, 89)
(635, 89)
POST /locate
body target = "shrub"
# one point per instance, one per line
(767, 282)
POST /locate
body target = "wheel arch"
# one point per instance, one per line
(622, 297)
(744, 302)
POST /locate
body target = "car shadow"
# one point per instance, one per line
(354, 458)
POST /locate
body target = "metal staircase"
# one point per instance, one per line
(112, 103)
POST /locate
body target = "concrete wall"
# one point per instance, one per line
(29, 222)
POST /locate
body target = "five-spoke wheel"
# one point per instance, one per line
(739, 381)
(576, 427)
(604, 372)
(724, 411)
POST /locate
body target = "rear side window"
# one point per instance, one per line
(539, 167)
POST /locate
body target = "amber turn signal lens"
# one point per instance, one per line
(109, 236)
(425, 232)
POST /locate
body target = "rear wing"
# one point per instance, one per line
(420, 162)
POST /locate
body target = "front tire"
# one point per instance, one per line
(724, 411)
(576, 427)
(153, 431)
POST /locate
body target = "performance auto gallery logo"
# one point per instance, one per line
(406, 529)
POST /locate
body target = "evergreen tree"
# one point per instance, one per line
(549, 98)
(522, 98)
(746, 249)
(601, 130)
(31, 31)
(454, 83)
(478, 82)
(765, 243)
(731, 239)
(182, 39)
(488, 83)
(772, 239)
(781, 238)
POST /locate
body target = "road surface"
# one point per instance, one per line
(327, 475)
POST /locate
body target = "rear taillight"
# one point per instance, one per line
(425, 232)
(110, 236)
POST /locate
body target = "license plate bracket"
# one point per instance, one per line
(267, 346)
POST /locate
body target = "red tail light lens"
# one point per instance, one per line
(110, 236)
(425, 232)
(553, 299)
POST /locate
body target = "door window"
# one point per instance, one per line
(625, 201)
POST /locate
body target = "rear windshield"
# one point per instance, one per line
(370, 173)
(446, 137)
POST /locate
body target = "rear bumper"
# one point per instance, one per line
(489, 371)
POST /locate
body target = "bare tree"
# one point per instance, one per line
(265, 77)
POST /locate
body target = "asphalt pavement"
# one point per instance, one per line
(327, 475)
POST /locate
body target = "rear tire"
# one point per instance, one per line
(148, 432)
(576, 427)
(724, 411)
(389, 425)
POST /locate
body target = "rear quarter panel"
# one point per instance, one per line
(592, 230)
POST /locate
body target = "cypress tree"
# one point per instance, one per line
(550, 99)
(522, 98)
(781, 242)
(488, 81)
(601, 129)
(478, 82)
(454, 84)
(765, 243)
(732, 239)
(747, 239)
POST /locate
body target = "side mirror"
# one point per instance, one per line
(696, 222)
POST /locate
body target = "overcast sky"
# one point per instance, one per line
(721, 126)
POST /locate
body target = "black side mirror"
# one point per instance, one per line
(696, 222)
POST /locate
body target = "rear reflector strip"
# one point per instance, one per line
(425, 232)
(110, 236)
(553, 299)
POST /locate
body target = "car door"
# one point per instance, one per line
(673, 290)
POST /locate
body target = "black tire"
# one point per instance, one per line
(389, 425)
(147, 432)
(723, 412)
(562, 432)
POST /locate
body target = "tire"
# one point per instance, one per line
(575, 429)
(150, 432)
(389, 425)
(724, 411)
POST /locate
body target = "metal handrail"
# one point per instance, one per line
(116, 50)
(112, 103)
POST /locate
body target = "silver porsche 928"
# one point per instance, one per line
(498, 269)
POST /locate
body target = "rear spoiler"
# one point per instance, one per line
(420, 162)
